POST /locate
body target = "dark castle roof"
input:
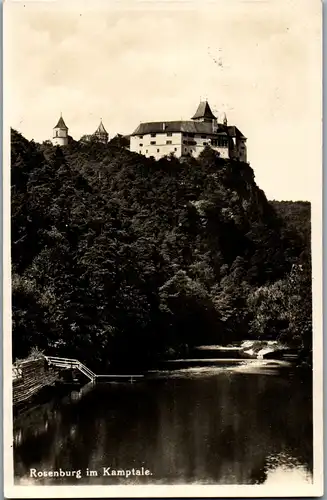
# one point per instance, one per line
(235, 132)
(191, 127)
(203, 122)
(101, 130)
(61, 124)
(204, 112)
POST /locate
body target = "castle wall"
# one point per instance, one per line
(60, 137)
(194, 144)
(179, 143)
(160, 145)
(60, 141)
(241, 148)
(59, 132)
(223, 151)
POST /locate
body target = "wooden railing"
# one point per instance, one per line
(75, 364)
(71, 364)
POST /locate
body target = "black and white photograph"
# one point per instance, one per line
(163, 254)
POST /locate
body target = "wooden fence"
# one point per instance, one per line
(30, 376)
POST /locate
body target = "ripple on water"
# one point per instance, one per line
(248, 366)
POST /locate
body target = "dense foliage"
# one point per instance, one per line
(120, 258)
(297, 218)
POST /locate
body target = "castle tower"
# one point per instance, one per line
(60, 133)
(101, 134)
(204, 113)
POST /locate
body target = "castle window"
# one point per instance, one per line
(153, 135)
(184, 142)
(152, 143)
(205, 143)
(191, 135)
(169, 134)
(158, 150)
(140, 152)
(175, 149)
(169, 142)
(146, 150)
(56, 133)
(141, 136)
(141, 145)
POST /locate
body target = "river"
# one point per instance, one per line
(235, 422)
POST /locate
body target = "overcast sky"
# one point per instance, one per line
(258, 61)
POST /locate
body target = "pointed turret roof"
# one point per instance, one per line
(101, 129)
(61, 123)
(204, 111)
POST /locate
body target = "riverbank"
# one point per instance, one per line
(245, 349)
(255, 349)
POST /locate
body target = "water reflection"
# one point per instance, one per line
(284, 468)
(213, 427)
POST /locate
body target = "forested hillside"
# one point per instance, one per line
(120, 258)
(297, 217)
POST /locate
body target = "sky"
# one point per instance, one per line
(130, 61)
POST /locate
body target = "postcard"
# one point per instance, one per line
(163, 249)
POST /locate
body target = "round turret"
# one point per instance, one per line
(60, 133)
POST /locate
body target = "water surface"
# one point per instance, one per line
(230, 423)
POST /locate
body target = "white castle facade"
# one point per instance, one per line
(189, 137)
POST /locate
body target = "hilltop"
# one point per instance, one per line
(121, 258)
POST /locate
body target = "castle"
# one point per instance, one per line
(190, 137)
(181, 138)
